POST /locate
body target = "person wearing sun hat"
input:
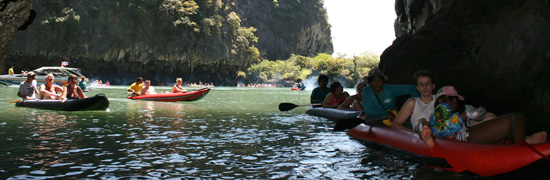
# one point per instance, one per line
(379, 97)
(27, 89)
(446, 122)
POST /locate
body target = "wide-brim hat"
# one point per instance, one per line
(376, 72)
(448, 91)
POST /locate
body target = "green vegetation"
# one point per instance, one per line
(297, 67)
(212, 40)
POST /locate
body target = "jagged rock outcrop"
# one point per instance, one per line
(13, 15)
(196, 40)
(495, 52)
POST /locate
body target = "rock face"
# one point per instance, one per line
(13, 15)
(290, 27)
(196, 40)
(496, 53)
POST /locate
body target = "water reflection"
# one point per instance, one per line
(219, 137)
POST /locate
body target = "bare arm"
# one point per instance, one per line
(403, 115)
(347, 103)
(64, 95)
(80, 92)
(45, 92)
(21, 95)
(326, 102)
(144, 91)
(58, 89)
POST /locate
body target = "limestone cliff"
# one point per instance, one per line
(164, 39)
(495, 52)
(289, 27)
(13, 15)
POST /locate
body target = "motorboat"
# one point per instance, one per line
(60, 74)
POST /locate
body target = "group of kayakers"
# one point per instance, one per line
(28, 90)
(440, 115)
(137, 88)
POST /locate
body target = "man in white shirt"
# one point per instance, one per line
(417, 108)
(27, 89)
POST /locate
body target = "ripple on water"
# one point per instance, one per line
(209, 145)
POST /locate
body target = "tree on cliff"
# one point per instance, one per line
(347, 70)
(200, 39)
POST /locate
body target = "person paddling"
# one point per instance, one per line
(49, 90)
(135, 88)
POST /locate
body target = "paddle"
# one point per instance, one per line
(290, 106)
(16, 101)
(351, 123)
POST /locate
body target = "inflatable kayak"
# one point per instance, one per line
(333, 114)
(173, 97)
(453, 155)
(97, 102)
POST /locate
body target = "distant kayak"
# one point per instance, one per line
(452, 155)
(199, 86)
(97, 102)
(173, 97)
(333, 114)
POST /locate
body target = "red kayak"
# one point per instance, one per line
(453, 155)
(173, 97)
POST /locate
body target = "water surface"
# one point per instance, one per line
(232, 133)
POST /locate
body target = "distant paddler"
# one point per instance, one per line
(177, 87)
(49, 90)
(135, 88)
(10, 71)
(82, 84)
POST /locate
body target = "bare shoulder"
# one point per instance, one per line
(409, 104)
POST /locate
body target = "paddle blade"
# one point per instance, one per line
(347, 124)
(15, 101)
(287, 106)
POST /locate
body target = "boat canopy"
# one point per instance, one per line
(58, 71)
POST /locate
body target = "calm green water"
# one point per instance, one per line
(232, 133)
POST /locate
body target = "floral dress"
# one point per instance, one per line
(447, 124)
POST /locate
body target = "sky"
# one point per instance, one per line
(361, 25)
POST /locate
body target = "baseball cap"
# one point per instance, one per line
(448, 91)
(31, 74)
